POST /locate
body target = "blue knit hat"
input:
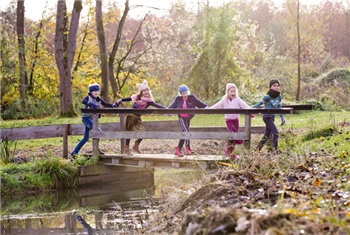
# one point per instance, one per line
(183, 88)
(94, 86)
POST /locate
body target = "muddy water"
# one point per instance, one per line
(118, 208)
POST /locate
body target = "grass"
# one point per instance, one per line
(37, 175)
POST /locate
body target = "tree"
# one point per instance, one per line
(64, 53)
(221, 51)
(103, 50)
(299, 52)
(23, 83)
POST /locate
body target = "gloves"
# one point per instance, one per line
(118, 102)
(283, 121)
(93, 105)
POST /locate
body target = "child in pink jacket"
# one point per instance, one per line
(231, 100)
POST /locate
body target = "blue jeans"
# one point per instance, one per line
(87, 121)
(269, 129)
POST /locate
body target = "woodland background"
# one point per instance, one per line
(46, 65)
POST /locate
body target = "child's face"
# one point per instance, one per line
(184, 94)
(145, 92)
(95, 93)
(232, 93)
(275, 87)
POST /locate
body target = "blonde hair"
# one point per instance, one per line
(228, 87)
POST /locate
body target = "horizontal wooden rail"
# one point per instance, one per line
(248, 111)
(160, 129)
(169, 135)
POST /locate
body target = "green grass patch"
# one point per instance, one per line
(38, 175)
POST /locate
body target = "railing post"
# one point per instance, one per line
(95, 141)
(247, 130)
(122, 124)
(65, 133)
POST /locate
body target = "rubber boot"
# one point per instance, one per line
(189, 150)
(127, 150)
(136, 147)
(178, 152)
(261, 143)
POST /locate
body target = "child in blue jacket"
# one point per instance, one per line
(93, 101)
(272, 100)
(182, 101)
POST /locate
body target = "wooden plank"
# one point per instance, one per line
(247, 111)
(299, 106)
(164, 156)
(78, 129)
(33, 132)
(169, 135)
(53, 131)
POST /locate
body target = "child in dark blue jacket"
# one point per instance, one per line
(182, 101)
(93, 101)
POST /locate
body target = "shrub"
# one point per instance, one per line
(324, 132)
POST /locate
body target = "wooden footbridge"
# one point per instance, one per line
(174, 132)
(116, 166)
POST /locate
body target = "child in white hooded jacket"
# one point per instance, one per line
(233, 101)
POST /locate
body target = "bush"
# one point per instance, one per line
(34, 108)
(331, 89)
(324, 132)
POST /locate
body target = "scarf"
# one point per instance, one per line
(142, 101)
(273, 94)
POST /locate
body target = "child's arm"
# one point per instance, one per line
(122, 100)
(242, 104)
(261, 102)
(199, 103)
(283, 120)
(173, 105)
(109, 105)
(85, 100)
(218, 104)
(156, 105)
(88, 104)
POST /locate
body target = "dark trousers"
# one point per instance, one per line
(270, 128)
(185, 125)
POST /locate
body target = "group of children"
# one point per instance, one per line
(143, 99)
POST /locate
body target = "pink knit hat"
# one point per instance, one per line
(229, 86)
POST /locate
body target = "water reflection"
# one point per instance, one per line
(83, 223)
(113, 208)
(86, 211)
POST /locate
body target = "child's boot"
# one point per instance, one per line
(127, 150)
(136, 147)
(178, 152)
(189, 150)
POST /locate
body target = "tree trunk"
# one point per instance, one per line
(64, 54)
(299, 51)
(73, 30)
(115, 49)
(23, 82)
(103, 51)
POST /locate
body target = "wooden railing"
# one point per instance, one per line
(244, 135)
(160, 129)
